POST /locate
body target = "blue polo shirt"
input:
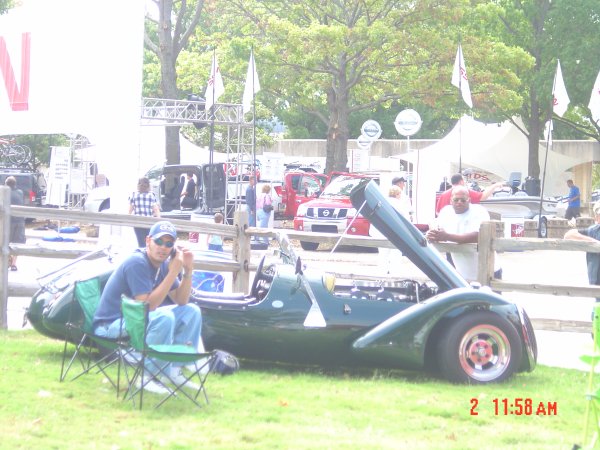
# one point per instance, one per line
(135, 276)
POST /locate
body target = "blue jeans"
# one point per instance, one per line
(263, 222)
(173, 324)
(251, 217)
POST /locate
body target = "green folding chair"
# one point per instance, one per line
(92, 352)
(135, 320)
(591, 432)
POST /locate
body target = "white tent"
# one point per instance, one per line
(493, 149)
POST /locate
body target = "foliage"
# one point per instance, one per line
(544, 29)
(5, 5)
(281, 407)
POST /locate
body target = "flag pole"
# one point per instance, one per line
(548, 143)
(211, 144)
(253, 115)
(460, 118)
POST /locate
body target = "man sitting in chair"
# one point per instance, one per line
(151, 275)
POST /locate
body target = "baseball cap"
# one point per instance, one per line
(162, 228)
(398, 180)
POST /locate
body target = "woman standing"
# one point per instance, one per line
(264, 207)
(143, 203)
(16, 234)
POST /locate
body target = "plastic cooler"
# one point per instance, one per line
(207, 281)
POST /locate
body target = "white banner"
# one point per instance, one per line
(70, 65)
(75, 66)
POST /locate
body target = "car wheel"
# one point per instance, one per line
(310, 246)
(543, 231)
(479, 347)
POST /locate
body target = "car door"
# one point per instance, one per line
(301, 187)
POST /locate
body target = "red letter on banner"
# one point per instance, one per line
(19, 99)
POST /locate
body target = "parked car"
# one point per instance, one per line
(31, 182)
(167, 183)
(332, 211)
(293, 314)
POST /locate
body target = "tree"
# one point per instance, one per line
(546, 30)
(166, 38)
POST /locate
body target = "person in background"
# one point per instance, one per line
(264, 207)
(590, 234)
(399, 203)
(188, 196)
(403, 200)
(251, 201)
(16, 234)
(460, 223)
(143, 203)
(574, 206)
(151, 275)
(475, 196)
(215, 241)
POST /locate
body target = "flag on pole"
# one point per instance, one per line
(560, 100)
(594, 104)
(214, 87)
(459, 77)
(252, 85)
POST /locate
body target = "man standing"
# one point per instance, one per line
(460, 223)
(251, 201)
(16, 234)
(589, 234)
(574, 207)
(474, 196)
(151, 275)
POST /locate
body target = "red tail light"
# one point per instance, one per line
(31, 196)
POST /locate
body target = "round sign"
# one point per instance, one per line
(408, 122)
(371, 130)
(363, 142)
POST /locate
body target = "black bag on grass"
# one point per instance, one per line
(224, 363)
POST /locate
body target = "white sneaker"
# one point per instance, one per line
(152, 386)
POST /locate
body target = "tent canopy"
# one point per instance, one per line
(493, 151)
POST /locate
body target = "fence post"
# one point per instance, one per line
(4, 237)
(241, 252)
(485, 248)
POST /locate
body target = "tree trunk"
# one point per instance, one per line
(533, 167)
(168, 82)
(337, 132)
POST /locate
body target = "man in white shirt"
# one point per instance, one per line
(459, 222)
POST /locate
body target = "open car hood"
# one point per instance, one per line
(372, 204)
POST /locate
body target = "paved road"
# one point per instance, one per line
(559, 349)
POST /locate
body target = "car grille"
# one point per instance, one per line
(327, 213)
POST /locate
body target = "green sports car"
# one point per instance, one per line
(293, 314)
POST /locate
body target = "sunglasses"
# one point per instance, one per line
(162, 243)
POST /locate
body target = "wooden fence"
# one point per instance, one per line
(241, 265)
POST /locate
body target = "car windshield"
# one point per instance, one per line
(341, 186)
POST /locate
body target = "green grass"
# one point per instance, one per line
(272, 407)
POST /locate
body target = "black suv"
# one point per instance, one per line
(32, 183)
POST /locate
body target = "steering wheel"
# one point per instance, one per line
(258, 276)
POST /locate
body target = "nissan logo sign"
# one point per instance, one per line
(371, 130)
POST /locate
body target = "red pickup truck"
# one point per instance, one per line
(332, 211)
(299, 188)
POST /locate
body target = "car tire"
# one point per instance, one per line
(310, 246)
(479, 348)
(543, 228)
